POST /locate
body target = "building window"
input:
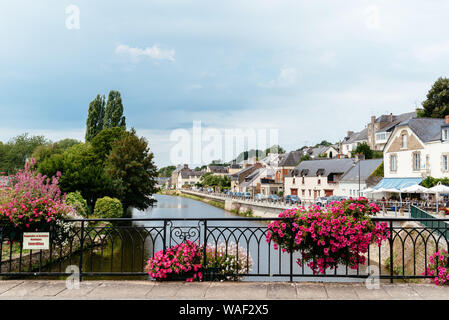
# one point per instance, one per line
(303, 180)
(404, 141)
(303, 192)
(393, 163)
(319, 181)
(293, 180)
(416, 161)
(445, 134)
(310, 193)
(381, 136)
(445, 162)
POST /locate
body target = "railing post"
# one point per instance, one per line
(391, 251)
(205, 248)
(82, 250)
(164, 243)
(291, 254)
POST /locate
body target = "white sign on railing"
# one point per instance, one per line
(36, 240)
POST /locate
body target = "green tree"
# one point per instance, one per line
(43, 152)
(276, 149)
(363, 148)
(104, 140)
(108, 207)
(130, 165)
(113, 114)
(437, 103)
(14, 154)
(95, 117)
(166, 171)
(323, 143)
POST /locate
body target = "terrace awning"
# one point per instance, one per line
(397, 183)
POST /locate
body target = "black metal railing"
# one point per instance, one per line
(121, 248)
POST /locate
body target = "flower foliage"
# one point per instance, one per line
(35, 200)
(339, 233)
(438, 268)
(186, 260)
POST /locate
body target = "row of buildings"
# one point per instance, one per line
(413, 149)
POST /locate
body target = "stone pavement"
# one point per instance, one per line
(100, 290)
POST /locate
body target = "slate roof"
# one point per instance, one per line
(191, 173)
(427, 129)
(291, 159)
(310, 168)
(367, 167)
(358, 136)
(397, 120)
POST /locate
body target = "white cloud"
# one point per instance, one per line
(286, 78)
(153, 52)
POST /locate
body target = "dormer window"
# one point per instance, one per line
(404, 141)
(445, 134)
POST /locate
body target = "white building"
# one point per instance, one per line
(358, 178)
(316, 178)
(418, 148)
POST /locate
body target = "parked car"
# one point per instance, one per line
(321, 201)
(261, 197)
(293, 199)
(247, 195)
(238, 194)
(229, 193)
(273, 198)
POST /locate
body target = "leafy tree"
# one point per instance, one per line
(305, 158)
(113, 114)
(130, 165)
(323, 143)
(104, 140)
(95, 117)
(43, 152)
(275, 148)
(363, 148)
(81, 171)
(14, 154)
(166, 171)
(108, 207)
(437, 103)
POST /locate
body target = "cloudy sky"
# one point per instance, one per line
(310, 69)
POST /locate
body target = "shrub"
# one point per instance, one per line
(35, 200)
(439, 268)
(185, 261)
(78, 203)
(327, 237)
(108, 208)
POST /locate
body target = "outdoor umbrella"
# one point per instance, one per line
(439, 188)
(416, 188)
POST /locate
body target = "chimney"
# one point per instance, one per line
(186, 166)
(350, 133)
(447, 119)
(373, 119)
(391, 117)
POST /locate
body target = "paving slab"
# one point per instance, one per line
(311, 291)
(432, 292)
(281, 291)
(375, 293)
(24, 289)
(80, 292)
(401, 291)
(7, 285)
(121, 290)
(237, 291)
(341, 292)
(164, 290)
